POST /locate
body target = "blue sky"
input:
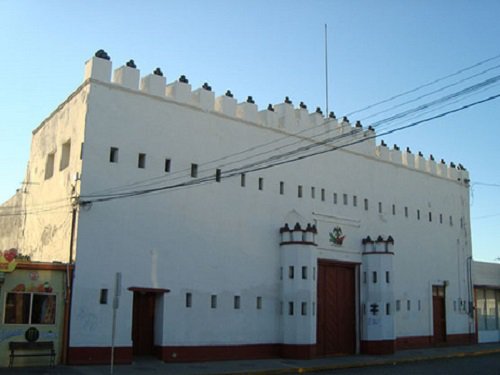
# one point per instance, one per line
(270, 49)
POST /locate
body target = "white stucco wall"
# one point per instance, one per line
(221, 238)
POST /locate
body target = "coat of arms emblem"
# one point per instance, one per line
(336, 236)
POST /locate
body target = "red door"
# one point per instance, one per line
(336, 320)
(439, 314)
(143, 323)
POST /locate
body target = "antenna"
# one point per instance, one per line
(326, 68)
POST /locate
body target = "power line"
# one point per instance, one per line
(253, 168)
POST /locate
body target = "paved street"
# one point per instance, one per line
(489, 364)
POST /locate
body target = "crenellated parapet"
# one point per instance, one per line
(298, 234)
(284, 116)
(417, 161)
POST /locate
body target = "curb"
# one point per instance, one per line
(385, 362)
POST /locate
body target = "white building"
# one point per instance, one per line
(360, 248)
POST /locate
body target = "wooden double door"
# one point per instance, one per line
(336, 319)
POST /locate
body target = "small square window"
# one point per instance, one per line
(194, 170)
(304, 272)
(168, 164)
(237, 302)
(141, 161)
(103, 298)
(113, 155)
(65, 154)
(49, 166)
(303, 308)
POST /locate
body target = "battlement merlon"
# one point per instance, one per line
(279, 116)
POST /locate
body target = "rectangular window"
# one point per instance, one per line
(141, 161)
(366, 204)
(218, 174)
(189, 300)
(237, 302)
(304, 272)
(334, 198)
(406, 211)
(281, 273)
(398, 305)
(408, 305)
(194, 170)
(430, 216)
(323, 195)
(242, 180)
(419, 305)
(364, 277)
(213, 301)
(261, 183)
(30, 308)
(49, 166)
(345, 199)
(113, 155)
(259, 303)
(103, 297)
(440, 218)
(418, 214)
(374, 277)
(282, 188)
(313, 192)
(168, 165)
(299, 191)
(394, 209)
(290, 308)
(451, 221)
(387, 309)
(65, 153)
(379, 207)
(291, 272)
(355, 201)
(387, 277)
(303, 308)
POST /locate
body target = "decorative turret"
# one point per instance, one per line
(377, 296)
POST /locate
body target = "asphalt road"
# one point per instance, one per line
(484, 365)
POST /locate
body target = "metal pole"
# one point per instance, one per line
(326, 67)
(118, 281)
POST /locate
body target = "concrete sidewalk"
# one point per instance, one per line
(267, 366)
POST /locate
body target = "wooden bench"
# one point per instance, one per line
(32, 349)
